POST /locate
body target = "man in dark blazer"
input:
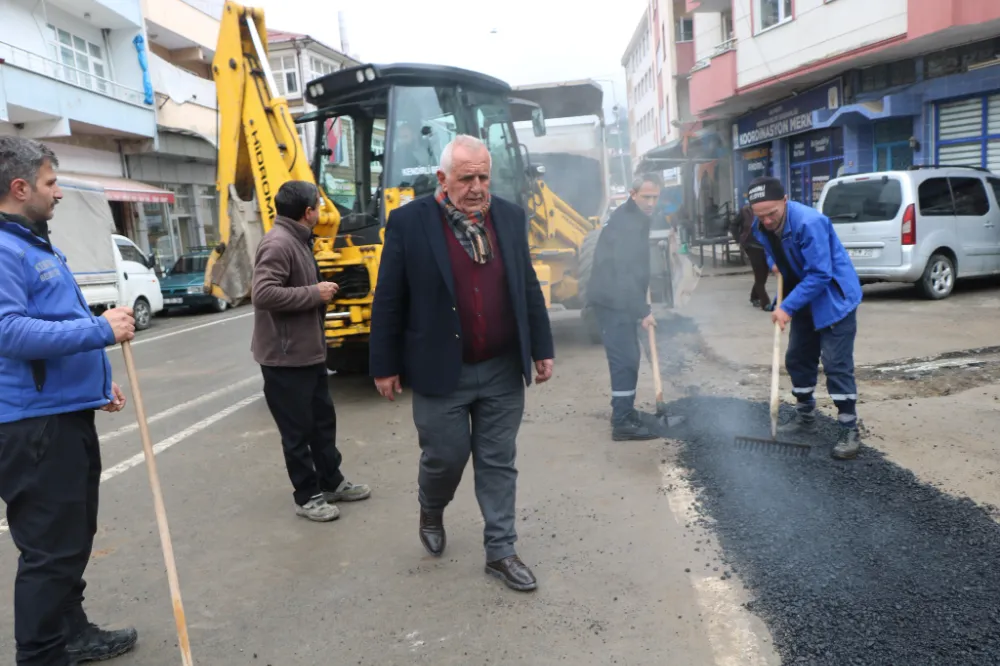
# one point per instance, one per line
(459, 316)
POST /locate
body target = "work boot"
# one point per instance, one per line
(96, 644)
(432, 534)
(318, 510)
(631, 428)
(347, 492)
(848, 442)
(803, 424)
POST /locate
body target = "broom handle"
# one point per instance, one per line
(161, 513)
(775, 361)
(654, 357)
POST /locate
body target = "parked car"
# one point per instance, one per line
(110, 269)
(928, 226)
(183, 284)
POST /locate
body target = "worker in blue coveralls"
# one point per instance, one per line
(820, 300)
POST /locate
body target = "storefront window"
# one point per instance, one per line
(208, 213)
(160, 240)
(814, 158)
(752, 163)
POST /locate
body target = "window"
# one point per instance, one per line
(968, 132)
(935, 197)
(727, 25)
(995, 184)
(863, 201)
(82, 60)
(770, 13)
(685, 30)
(286, 75)
(970, 196)
(319, 68)
(130, 252)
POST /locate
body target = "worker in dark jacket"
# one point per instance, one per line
(617, 293)
(56, 374)
(742, 230)
(289, 301)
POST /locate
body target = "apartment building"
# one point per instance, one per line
(73, 75)
(808, 89)
(182, 37)
(297, 59)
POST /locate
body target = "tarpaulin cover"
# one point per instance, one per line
(81, 229)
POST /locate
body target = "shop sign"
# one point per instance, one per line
(791, 116)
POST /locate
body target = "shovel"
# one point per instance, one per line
(161, 512)
(773, 445)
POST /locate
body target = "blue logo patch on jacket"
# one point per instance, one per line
(828, 282)
(52, 358)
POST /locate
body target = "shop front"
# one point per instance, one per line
(789, 140)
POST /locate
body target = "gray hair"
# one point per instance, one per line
(643, 178)
(22, 159)
(461, 141)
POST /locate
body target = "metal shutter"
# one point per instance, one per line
(957, 121)
(993, 129)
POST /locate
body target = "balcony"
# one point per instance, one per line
(185, 101)
(708, 6)
(47, 96)
(110, 14)
(929, 16)
(684, 58)
(713, 79)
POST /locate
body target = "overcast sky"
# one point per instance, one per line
(536, 41)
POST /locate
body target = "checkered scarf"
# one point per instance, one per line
(470, 230)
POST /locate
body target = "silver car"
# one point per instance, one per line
(927, 226)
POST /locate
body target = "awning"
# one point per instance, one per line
(123, 189)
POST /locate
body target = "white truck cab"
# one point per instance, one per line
(110, 269)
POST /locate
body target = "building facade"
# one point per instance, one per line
(641, 86)
(182, 38)
(891, 84)
(295, 60)
(73, 76)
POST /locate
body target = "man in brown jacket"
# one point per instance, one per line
(289, 301)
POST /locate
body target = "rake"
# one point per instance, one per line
(773, 445)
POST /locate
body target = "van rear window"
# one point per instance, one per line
(863, 201)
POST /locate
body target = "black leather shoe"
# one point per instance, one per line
(515, 573)
(96, 644)
(432, 534)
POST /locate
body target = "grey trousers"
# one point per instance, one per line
(480, 418)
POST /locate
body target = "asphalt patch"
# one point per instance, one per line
(847, 562)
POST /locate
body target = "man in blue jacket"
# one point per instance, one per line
(53, 374)
(821, 296)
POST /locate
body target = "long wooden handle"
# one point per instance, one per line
(161, 512)
(775, 362)
(655, 360)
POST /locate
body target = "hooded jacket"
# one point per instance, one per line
(52, 358)
(828, 284)
(619, 278)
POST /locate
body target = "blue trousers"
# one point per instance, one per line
(834, 345)
(620, 333)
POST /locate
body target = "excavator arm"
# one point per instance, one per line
(259, 151)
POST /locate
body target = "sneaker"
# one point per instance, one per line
(348, 492)
(96, 644)
(318, 510)
(803, 423)
(848, 442)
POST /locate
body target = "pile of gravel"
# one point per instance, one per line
(847, 563)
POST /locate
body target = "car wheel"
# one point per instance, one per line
(938, 279)
(220, 305)
(143, 314)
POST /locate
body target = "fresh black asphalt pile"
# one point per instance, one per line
(846, 562)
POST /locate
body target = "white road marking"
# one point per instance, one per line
(132, 427)
(730, 633)
(183, 330)
(162, 446)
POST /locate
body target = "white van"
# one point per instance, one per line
(927, 226)
(110, 269)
